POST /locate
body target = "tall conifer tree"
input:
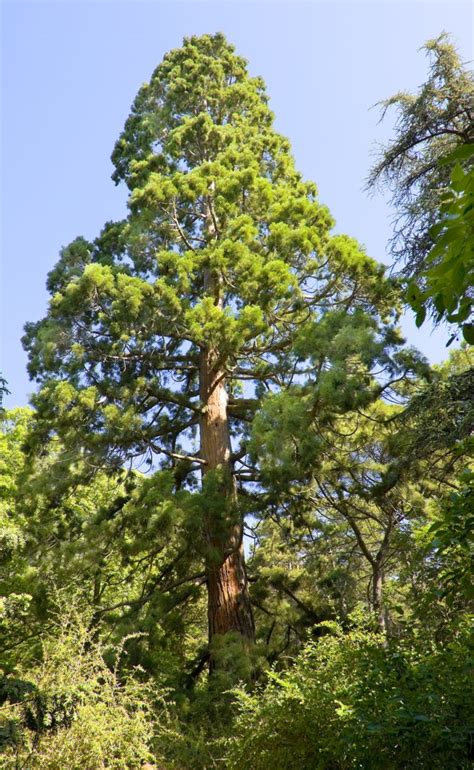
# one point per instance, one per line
(225, 255)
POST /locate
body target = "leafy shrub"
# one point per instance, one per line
(76, 714)
(351, 702)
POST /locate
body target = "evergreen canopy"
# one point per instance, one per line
(223, 282)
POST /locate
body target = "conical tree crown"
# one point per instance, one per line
(181, 115)
(225, 248)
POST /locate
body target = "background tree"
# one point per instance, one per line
(64, 535)
(429, 126)
(325, 445)
(3, 390)
(358, 479)
(14, 596)
(447, 279)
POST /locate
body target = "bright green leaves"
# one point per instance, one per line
(251, 322)
(94, 281)
(348, 701)
(125, 423)
(158, 189)
(451, 539)
(13, 431)
(64, 395)
(415, 165)
(66, 408)
(277, 280)
(447, 279)
(132, 295)
(210, 324)
(222, 329)
(199, 130)
(351, 267)
(95, 278)
(120, 303)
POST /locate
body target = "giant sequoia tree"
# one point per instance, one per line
(163, 334)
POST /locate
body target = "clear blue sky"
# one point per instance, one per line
(71, 70)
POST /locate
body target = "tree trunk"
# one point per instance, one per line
(229, 606)
(377, 597)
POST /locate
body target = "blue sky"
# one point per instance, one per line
(70, 71)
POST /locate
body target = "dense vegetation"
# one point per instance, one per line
(236, 522)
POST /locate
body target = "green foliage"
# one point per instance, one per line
(343, 456)
(430, 125)
(452, 540)
(15, 596)
(214, 199)
(123, 544)
(3, 390)
(350, 702)
(226, 264)
(76, 713)
(447, 278)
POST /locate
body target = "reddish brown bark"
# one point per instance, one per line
(229, 606)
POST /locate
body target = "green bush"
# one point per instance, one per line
(350, 701)
(75, 714)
